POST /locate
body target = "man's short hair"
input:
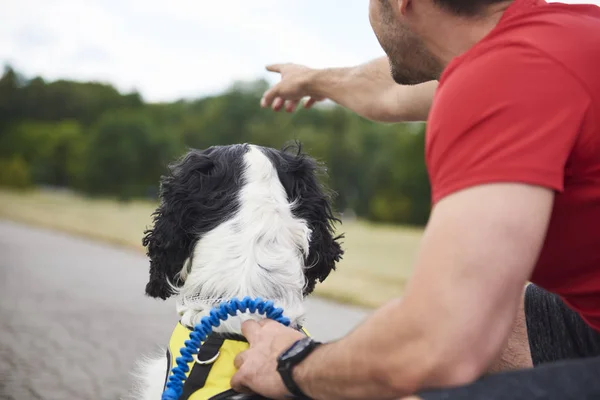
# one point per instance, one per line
(467, 8)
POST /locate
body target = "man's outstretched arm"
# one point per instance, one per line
(477, 253)
(367, 89)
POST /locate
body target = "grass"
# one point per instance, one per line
(376, 265)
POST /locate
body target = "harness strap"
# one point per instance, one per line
(240, 338)
(197, 378)
(233, 395)
(169, 366)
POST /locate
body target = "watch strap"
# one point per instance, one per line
(285, 367)
(291, 385)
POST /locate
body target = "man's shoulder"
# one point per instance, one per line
(544, 27)
(508, 72)
(565, 35)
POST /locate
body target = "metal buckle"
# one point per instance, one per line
(206, 362)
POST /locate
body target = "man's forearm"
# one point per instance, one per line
(457, 309)
(370, 91)
(360, 365)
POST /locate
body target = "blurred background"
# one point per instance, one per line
(97, 97)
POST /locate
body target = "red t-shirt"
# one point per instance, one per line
(523, 105)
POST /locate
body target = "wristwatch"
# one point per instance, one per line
(292, 357)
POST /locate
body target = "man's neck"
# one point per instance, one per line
(454, 35)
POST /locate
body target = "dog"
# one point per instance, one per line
(235, 221)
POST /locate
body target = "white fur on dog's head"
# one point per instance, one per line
(237, 221)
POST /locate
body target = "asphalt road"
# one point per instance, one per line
(74, 318)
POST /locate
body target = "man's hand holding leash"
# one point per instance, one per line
(257, 367)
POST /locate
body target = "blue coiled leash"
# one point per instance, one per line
(174, 386)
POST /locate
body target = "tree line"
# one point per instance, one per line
(89, 137)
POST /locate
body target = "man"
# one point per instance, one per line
(513, 154)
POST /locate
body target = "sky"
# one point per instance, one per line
(172, 49)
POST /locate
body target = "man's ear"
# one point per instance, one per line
(402, 6)
(172, 238)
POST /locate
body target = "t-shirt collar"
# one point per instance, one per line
(518, 6)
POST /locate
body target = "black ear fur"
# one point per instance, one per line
(196, 195)
(299, 175)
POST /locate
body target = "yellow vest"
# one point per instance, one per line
(220, 367)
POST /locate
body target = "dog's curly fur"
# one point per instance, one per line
(200, 193)
(193, 202)
(298, 174)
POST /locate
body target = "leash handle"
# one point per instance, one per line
(174, 386)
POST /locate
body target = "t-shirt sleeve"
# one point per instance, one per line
(512, 115)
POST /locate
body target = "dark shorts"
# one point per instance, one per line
(555, 331)
(565, 352)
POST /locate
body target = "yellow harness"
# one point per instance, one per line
(212, 369)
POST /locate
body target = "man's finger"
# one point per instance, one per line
(274, 68)
(268, 97)
(291, 105)
(310, 102)
(277, 104)
(250, 329)
(239, 360)
(238, 383)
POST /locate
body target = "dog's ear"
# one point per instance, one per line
(172, 238)
(312, 202)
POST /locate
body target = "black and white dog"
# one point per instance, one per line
(236, 221)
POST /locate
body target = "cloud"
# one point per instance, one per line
(165, 49)
(180, 48)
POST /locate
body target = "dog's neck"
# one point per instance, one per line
(192, 312)
(259, 252)
(209, 284)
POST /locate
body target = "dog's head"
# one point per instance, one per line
(203, 190)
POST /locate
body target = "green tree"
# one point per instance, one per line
(14, 173)
(126, 155)
(10, 98)
(52, 150)
(89, 136)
